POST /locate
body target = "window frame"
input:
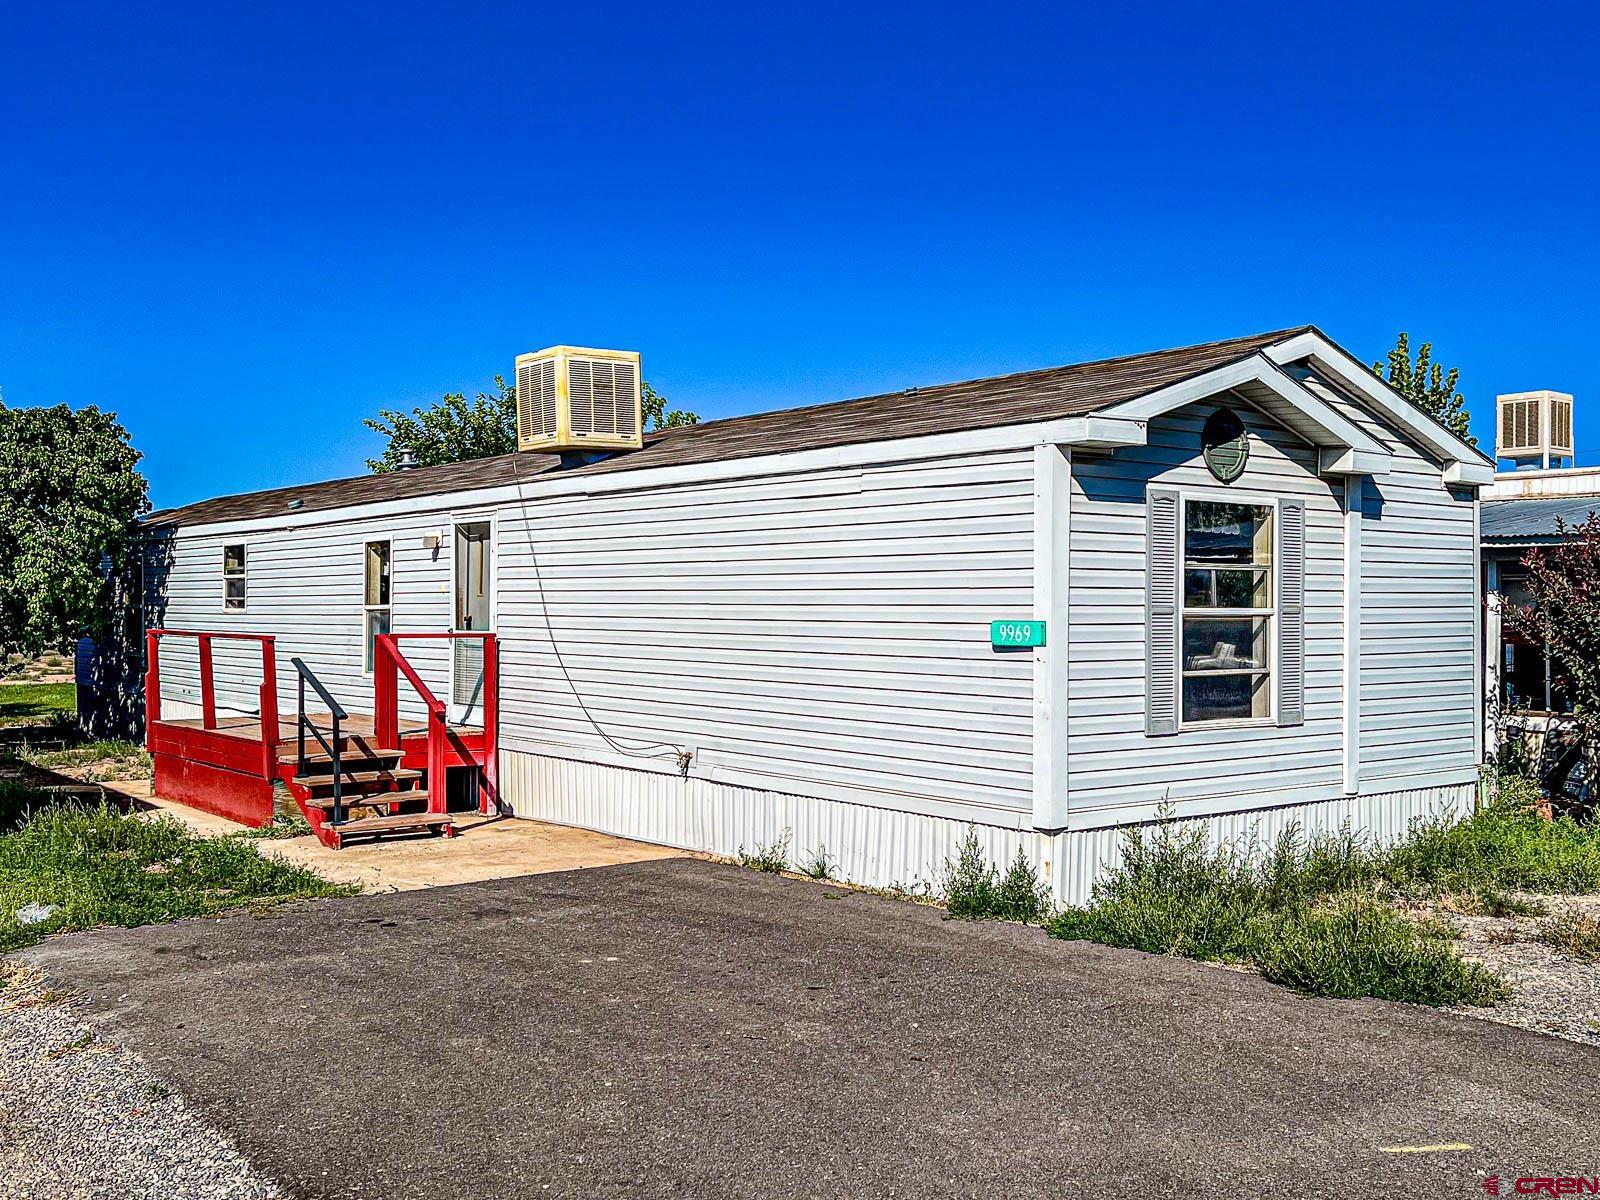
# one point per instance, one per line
(242, 575)
(1270, 614)
(369, 654)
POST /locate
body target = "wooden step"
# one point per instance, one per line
(394, 823)
(366, 800)
(358, 779)
(324, 762)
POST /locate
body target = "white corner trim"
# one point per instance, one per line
(1052, 542)
(1333, 429)
(1394, 409)
(1352, 635)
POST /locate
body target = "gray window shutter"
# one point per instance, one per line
(1161, 612)
(1291, 612)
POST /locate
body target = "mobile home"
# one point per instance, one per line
(1233, 583)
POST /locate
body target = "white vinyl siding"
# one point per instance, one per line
(308, 588)
(1419, 592)
(821, 632)
(1117, 770)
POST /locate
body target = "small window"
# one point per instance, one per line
(376, 610)
(233, 577)
(1227, 611)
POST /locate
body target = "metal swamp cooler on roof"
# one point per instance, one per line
(575, 398)
(1534, 428)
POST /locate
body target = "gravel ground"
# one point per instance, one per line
(83, 1120)
(1554, 993)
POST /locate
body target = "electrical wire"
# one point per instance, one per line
(641, 749)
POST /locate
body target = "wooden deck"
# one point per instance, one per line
(356, 725)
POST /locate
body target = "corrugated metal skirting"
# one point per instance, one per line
(881, 847)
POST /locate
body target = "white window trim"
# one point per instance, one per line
(471, 516)
(1185, 495)
(368, 669)
(243, 574)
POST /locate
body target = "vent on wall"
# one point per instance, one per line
(574, 398)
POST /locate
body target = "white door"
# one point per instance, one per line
(474, 612)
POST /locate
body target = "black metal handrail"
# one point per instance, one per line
(303, 722)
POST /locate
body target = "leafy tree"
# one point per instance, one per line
(455, 429)
(70, 499)
(1427, 385)
(452, 430)
(656, 413)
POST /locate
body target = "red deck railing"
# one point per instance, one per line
(208, 685)
(389, 664)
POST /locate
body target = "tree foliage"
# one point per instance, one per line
(1563, 614)
(70, 499)
(455, 429)
(1429, 386)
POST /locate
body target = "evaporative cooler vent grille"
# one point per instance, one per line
(536, 400)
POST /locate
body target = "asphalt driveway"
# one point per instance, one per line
(681, 1028)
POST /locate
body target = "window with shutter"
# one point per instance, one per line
(1291, 612)
(1228, 610)
(1161, 612)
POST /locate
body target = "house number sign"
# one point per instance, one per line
(1224, 445)
(1016, 633)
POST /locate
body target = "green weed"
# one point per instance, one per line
(772, 858)
(819, 865)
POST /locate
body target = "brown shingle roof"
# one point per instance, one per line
(1042, 395)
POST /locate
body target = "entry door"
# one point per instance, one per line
(474, 612)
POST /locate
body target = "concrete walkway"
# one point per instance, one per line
(692, 1029)
(485, 848)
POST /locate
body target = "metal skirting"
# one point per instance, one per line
(880, 847)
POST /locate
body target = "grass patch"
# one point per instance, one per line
(772, 858)
(1504, 847)
(31, 701)
(86, 867)
(1309, 914)
(94, 762)
(1573, 932)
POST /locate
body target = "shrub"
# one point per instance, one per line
(969, 881)
(1174, 893)
(1573, 932)
(1354, 945)
(1021, 895)
(772, 858)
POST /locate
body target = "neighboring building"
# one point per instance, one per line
(1525, 508)
(1234, 582)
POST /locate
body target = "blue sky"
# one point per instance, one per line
(245, 228)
